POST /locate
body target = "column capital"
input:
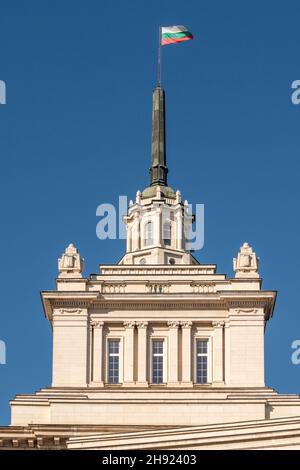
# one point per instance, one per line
(129, 324)
(186, 324)
(141, 324)
(218, 324)
(173, 323)
(97, 324)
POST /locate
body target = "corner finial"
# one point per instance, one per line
(178, 197)
(138, 197)
(247, 263)
(70, 265)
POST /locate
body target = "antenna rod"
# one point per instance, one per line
(159, 58)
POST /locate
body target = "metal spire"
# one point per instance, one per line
(158, 170)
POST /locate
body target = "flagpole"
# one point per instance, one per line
(159, 58)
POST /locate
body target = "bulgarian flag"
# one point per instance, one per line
(171, 34)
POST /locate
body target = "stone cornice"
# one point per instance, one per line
(217, 301)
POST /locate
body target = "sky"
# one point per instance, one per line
(75, 132)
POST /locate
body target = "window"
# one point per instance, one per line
(113, 361)
(202, 361)
(158, 361)
(148, 234)
(167, 233)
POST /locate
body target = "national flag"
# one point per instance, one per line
(172, 34)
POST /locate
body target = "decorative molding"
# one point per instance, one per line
(246, 310)
(97, 324)
(186, 324)
(70, 310)
(129, 324)
(69, 303)
(179, 304)
(169, 270)
(157, 305)
(218, 324)
(142, 324)
(173, 323)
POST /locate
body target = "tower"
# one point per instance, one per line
(158, 223)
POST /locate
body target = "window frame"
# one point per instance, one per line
(164, 355)
(120, 340)
(170, 230)
(208, 339)
(146, 240)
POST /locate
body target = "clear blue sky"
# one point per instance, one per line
(75, 132)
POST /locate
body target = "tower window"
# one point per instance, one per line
(202, 361)
(113, 361)
(157, 361)
(148, 234)
(167, 233)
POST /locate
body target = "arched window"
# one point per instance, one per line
(148, 234)
(167, 233)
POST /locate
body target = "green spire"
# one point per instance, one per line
(158, 170)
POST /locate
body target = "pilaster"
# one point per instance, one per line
(218, 358)
(173, 353)
(186, 366)
(142, 354)
(227, 353)
(97, 355)
(129, 353)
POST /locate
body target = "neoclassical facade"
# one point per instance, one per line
(158, 326)
(158, 351)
